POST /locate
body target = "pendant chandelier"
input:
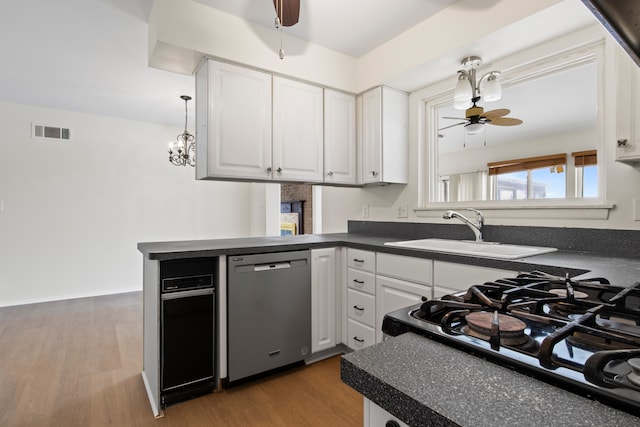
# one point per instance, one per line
(182, 152)
(469, 90)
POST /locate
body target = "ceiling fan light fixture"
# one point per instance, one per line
(474, 128)
(463, 92)
(491, 90)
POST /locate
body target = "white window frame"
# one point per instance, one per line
(566, 53)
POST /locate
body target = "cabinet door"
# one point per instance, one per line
(339, 137)
(628, 104)
(371, 129)
(239, 125)
(297, 131)
(395, 136)
(394, 294)
(375, 416)
(323, 297)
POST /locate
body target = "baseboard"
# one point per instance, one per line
(325, 354)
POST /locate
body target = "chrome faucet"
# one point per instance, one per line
(476, 228)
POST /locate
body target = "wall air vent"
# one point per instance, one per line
(50, 132)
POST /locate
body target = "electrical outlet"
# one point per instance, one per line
(365, 211)
(403, 211)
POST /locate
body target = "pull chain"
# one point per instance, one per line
(281, 51)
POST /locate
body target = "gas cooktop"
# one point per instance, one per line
(583, 335)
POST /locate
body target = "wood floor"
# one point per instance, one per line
(78, 363)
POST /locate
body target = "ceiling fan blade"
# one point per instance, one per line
(505, 121)
(454, 118)
(450, 126)
(496, 113)
(290, 12)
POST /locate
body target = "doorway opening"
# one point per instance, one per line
(296, 209)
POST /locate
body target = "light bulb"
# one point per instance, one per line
(462, 94)
(491, 90)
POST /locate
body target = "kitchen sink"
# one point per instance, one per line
(468, 247)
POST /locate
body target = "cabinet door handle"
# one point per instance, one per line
(279, 170)
(269, 169)
(358, 308)
(330, 173)
(360, 282)
(358, 339)
(358, 260)
(373, 173)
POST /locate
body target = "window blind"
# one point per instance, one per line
(585, 158)
(518, 165)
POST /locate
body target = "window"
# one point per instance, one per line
(540, 177)
(586, 164)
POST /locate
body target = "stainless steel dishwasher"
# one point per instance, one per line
(269, 311)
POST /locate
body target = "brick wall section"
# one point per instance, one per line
(291, 192)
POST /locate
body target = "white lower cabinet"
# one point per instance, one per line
(401, 281)
(359, 335)
(360, 294)
(378, 283)
(375, 416)
(450, 277)
(324, 298)
(394, 294)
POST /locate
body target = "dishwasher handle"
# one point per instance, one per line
(271, 266)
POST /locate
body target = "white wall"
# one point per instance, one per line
(72, 213)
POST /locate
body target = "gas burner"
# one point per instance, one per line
(485, 325)
(634, 375)
(593, 343)
(563, 293)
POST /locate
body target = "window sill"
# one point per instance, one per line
(538, 209)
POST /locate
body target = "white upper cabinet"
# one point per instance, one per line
(339, 138)
(384, 136)
(233, 122)
(297, 131)
(628, 109)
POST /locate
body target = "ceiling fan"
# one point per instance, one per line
(476, 118)
(287, 15)
(287, 12)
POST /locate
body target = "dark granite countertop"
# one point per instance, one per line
(423, 382)
(620, 271)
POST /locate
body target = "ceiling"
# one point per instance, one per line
(353, 27)
(90, 56)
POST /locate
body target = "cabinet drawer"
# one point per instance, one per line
(362, 260)
(361, 307)
(418, 270)
(362, 281)
(461, 277)
(359, 335)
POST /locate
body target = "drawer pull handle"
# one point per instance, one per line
(358, 260)
(360, 282)
(358, 308)
(358, 339)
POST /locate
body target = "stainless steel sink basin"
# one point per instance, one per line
(467, 247)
